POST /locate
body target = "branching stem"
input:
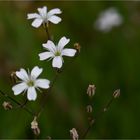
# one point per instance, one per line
(99, 114)
(17, 102)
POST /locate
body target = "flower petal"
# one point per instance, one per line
(46, 55)
(32, 15)
(22, 74)
(69, 52)
(17, 89)
(54, 19)
(31, 94)
(37, 22)
(42, 11)
(42, 83)
(36, 71)
(57, 62)
(49, 46)
(54, 11)
(62, 42)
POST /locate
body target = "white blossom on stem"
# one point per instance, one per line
(108, 19)
(44, 16)
(30, 83)
(56, 52)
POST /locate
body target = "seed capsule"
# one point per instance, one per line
(7, 105)
(74, 134)
(77, 47)
(91, 90)
(13, 77)
(89, 109)
(34, 127)
(116, 93)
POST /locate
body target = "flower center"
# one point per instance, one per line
(57, 53)
(30, 83)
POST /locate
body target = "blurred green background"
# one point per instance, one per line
(108, 60)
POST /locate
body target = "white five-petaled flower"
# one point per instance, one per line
(56, 52)
(108, 19)
(44, 17)
(30, 83)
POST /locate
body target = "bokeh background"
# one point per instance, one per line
(109, 60)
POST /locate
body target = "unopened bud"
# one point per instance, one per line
(116, 93)
(91, 90)
(34, 126)
(89, 109)
(77, 47)
(74, 134)
(7, 105)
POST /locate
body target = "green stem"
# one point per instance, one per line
(46, 96)
(46, 26)
(99, 114)
(18, 103)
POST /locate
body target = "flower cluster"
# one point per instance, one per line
(28, 81)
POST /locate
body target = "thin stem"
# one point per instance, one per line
(25, 102)
(46, 95)
(58, 71)
(46, 26)
(18, 103)
(99, 114)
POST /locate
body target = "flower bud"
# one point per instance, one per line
(74, 134)
(89, 109)
(91, 90)
(7, 105)
(34, 127)
(77, 47)
(116, 93)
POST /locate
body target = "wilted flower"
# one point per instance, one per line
(30, 83)
(13, 77)
(44, 17)
(116, 93)
(7, 105)
(91, 90)
(108, 19)
(74, 134)
(77, 47)
(34, 126)
(56, 52)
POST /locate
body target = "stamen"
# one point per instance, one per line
(57, 53)
(30, 83)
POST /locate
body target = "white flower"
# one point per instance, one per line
(29, 82)
(108, 19)
(44, 17)
(56, 52)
